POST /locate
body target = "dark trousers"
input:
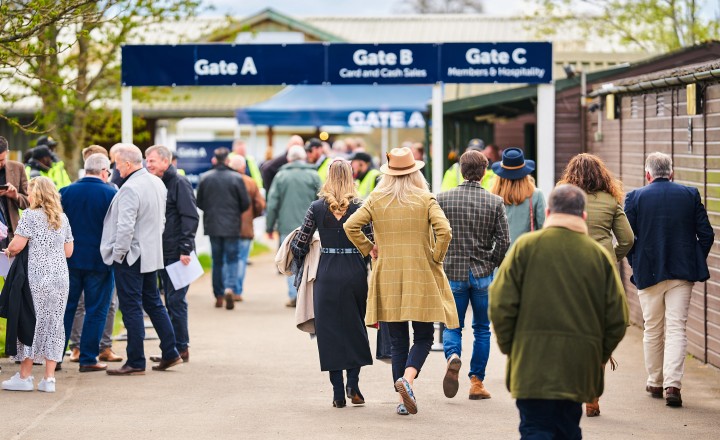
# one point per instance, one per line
(177, 307)
(138, 291)
(98, 287)
(383, 350)
(549, 419)
(403, 356)
(336, 379)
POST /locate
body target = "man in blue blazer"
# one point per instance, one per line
(85, 203)
(673, 237)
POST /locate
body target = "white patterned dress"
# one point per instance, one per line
(49, 284)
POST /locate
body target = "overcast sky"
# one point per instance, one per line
(338, 7)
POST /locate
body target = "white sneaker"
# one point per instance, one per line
(47, 385)
(15, 383)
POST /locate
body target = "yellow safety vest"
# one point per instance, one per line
(323, 169)
(453, 178)
(367, 184)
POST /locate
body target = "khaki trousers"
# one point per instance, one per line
(665, 311)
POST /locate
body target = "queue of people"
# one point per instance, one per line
(386, 252)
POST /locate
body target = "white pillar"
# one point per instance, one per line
(436, 146)
(546, 137)
(384, 133)
(126, 116)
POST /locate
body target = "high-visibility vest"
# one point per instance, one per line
(180, 171)
(367, 184)
(253, 168)
(453, 178)
(33, 172)
(58, 174)
(323, 169)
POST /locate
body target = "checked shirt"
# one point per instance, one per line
(480, 233)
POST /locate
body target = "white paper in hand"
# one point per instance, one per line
(182, 275)
(5, 264)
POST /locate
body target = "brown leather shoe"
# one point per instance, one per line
(229, 299)
(592, 409)
(291, 303)
(238, 298)
(126, 370)
(184, 355)
(218, 302)
(75, 355)
(477, 389)
(656, 392)
(107, 355)
(452, 372)
(672, 397)
(91, 368)
(164, 365)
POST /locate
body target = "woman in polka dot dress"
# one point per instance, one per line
(45, 228)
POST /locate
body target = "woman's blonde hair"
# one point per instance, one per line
(403, 188)
(45, 196)
(514, 192)
(339, 188)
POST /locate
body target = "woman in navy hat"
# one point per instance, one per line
(524, 203)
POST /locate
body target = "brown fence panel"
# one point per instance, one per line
(712, 203)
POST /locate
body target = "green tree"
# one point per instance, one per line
(648, 25)
(442, 6)
(69, 57)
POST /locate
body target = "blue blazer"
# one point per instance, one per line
(85, 203)
(673, 235)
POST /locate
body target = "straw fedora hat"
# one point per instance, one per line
(401, 162)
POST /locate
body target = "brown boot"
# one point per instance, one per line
(592, 409)
(477, 389)
(75, 356)
(107, 355)
(218, 301)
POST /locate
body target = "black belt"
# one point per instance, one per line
(339, 251)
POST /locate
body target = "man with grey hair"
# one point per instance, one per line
(557, 302)
(223, 198)
(181, 223)
(294, 188)
(86, 203)
(132, 244)
(673, 237)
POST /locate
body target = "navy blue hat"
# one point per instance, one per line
(513, 165)
(46, 140)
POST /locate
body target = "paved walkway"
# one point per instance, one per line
(252, 375)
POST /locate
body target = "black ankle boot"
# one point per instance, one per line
(354, 394)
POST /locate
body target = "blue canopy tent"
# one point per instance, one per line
(342, 105)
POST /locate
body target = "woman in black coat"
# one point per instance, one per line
(340, 288)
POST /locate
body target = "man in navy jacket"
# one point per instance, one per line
(673, 237)
(85, 203)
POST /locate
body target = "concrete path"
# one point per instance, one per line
(252, 375)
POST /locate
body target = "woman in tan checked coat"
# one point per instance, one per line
(408, 283)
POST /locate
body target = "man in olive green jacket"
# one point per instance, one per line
(559, 310)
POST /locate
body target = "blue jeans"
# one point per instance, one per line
(225, 251)
(292, 291)
(98, 287)
(245, 245)
(549, 419)
(177, 308)
(138, 291)
(475, 292)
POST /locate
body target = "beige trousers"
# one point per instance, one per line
(665, 311)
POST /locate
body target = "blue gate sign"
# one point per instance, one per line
(335, 63)
(222, 64)
(382, 64)
(195, 157)
(496, 62)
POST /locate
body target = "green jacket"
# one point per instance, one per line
(559, 310)
(293, 189)
(453, 178)
(606, 218)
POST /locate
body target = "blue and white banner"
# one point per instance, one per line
(335, 63)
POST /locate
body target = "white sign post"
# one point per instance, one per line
(436, 147)
(126, 116)
(546, 137)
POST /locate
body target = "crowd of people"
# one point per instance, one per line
(362, 246)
